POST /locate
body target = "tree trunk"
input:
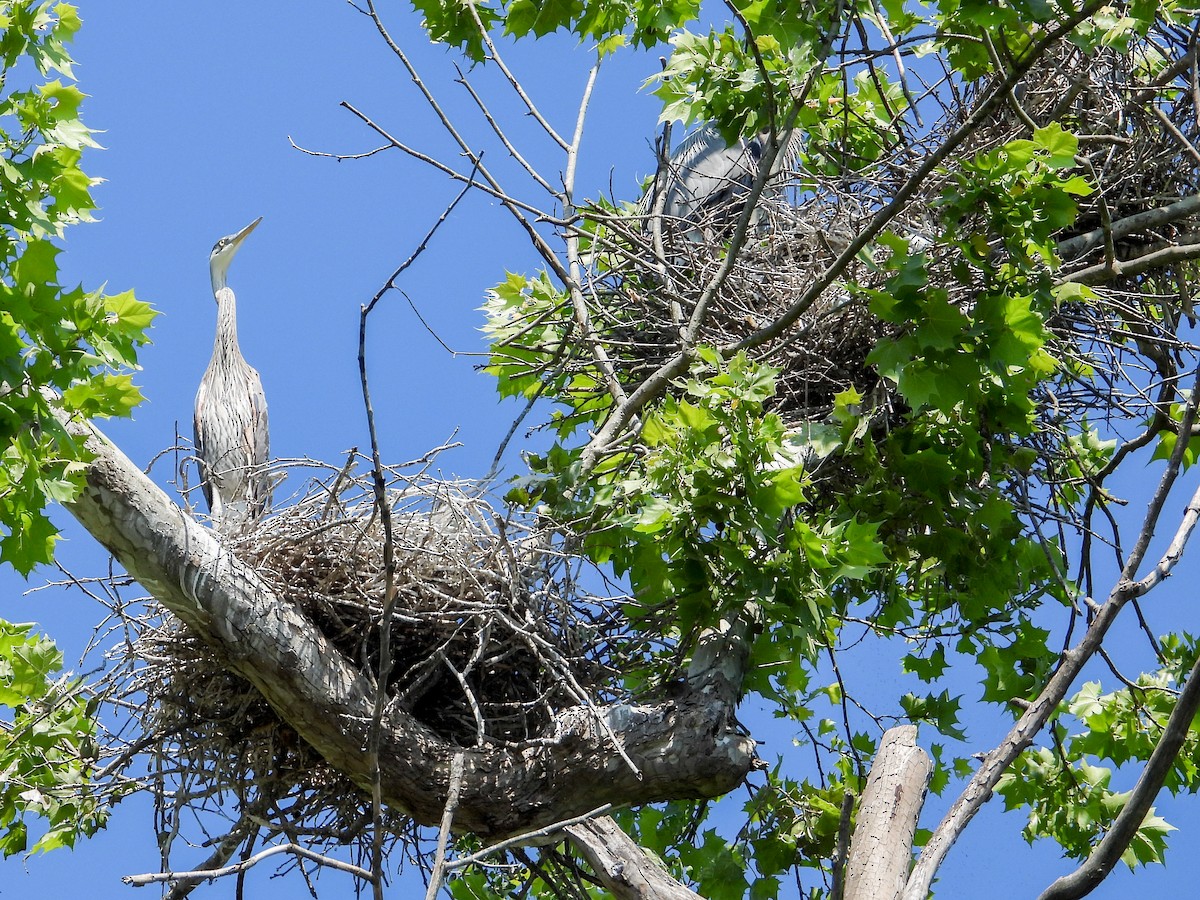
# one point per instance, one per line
(881, 850)
(686, 747)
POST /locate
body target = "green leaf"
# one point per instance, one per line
(30, 542)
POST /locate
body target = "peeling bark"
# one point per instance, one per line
(628, 871)
(881, 850)
(687, 747)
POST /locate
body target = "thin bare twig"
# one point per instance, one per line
(439, 865)
(209, 874)
(525, 838)
(389, 548)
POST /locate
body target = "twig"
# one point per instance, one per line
(210, 874)
(439, 865)
(389, 550)
(574, 283)
(509, 203)
(525, 838)
(512, 79)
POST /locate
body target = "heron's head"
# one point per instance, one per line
(223, 252)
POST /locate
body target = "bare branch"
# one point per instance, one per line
(1135, 265)
(627, 870)
(209, 874)
(528, 837)
(439, 865)
(1122, 228)
(384, 508)
(512, 79)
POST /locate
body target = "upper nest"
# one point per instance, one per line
(1134, 147)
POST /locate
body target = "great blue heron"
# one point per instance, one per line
(231, 411)
(707, 179)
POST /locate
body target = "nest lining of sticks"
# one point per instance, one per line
(491, 636)
(1134, 151)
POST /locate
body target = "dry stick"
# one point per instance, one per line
(394, 143)
(506, 201)
(439, 865)
(389, 552)
(208, 874)
(575, 285)
(659, 195)
(1187, 145)
(221, 854)
(979, 789)
(1108, 852)
(512, 79)
(553, 263)
(1115, 268)
(525, 838)
(1081, 244)
(1195, 79)
(501, 134)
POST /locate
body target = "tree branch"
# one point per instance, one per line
(628, 871)
(1108, 853)
(1122, 228)
(979, 788)
(881, 850)
(209, 874)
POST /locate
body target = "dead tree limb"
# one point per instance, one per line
(881, 850)
(1108, 852)
(628, 871)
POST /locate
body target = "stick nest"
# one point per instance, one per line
(1137, 150)
(490, 636)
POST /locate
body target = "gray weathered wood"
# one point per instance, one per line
(628, 871)
(881, 849)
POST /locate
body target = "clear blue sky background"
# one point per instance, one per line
(196, 102)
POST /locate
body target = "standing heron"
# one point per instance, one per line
(231, 411)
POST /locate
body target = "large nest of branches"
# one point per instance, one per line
(490, 636)
(1136, 148)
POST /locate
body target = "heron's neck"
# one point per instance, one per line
(226, 344)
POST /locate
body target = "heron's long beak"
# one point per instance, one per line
(241, 235)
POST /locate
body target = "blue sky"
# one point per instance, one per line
(197, 103)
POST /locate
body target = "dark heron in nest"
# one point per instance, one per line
(231, 411)
(707, 180)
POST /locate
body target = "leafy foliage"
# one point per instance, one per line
(717, 507)
(47, 743)
(63, 352)
(60, 348)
